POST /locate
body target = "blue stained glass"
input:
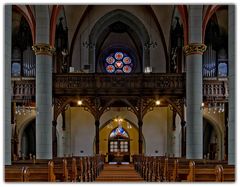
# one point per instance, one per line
(222, 69)
(118, 62)
(16, 69)
(119, 132)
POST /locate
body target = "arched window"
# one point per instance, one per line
(119, 132)
(118, 62)
(119, 141)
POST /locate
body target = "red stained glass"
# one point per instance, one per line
(118, 62)
(110, 68)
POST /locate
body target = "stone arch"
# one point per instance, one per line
(29, 18)
(129, 121)
(210, 11)
(127, 18)
(220, 135)
(22, 129)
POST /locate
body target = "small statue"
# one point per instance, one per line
(64, 62)
(173, 62)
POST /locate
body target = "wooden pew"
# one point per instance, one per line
(181, 170)
(228, 173)
(40, 173)
(14, 174)
(204, 173)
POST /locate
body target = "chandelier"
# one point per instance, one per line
(119, 122)
(25, 107)
(23, 110)
(214, 107)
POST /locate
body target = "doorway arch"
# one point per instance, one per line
(212, 139)
(28, 140)
(118, 145)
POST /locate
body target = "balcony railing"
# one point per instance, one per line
(132, 84)
(215, 89)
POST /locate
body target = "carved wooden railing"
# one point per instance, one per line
(215, 89)
(132, 84)
(23, 89)
(76, 83)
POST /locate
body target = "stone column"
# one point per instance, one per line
(7, 86)
(97, 123)
(140, 136)
(43, 52)
(194, 51)
(232, 91)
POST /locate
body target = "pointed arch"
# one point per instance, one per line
(219, 132)
(30, 20)
(140, 33)
(210, 11)
(184, 17)
(53, 21)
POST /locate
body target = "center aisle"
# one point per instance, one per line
(119, 173)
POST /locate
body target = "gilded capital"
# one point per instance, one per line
(194, 48)
(43, 49)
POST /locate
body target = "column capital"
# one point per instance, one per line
(194, 48)
(43, 49)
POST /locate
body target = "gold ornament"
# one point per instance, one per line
(43, 49)
(194, 48)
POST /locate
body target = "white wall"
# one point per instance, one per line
(82, 131)
(60, 137)
(177, 137)
(81, 125)
(155, 131)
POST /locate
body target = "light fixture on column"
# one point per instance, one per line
(157, 102)
(202, 106)
(79, 102)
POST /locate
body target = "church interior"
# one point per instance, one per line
(119, 93)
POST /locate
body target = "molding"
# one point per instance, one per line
(43, 49)
(194, 48)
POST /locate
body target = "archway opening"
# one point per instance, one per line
(28, 141)
(210, 141)
(119, 145)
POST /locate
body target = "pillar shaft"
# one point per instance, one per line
(194, 51)
(7, 87)
(43, 53)
(232, 91)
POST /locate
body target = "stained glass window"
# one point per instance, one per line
(119, 132)
(118, 62)
(222, 69)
